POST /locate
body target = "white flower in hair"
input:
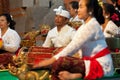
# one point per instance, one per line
(11, 17)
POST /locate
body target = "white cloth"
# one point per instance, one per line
(61, 12)
(112, 28)
(90, 39)
(59, 39)
(11, 40)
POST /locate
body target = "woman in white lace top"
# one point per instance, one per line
(89, 38)
(110, 28)
(11, 39)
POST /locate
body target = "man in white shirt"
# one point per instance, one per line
(61, 34)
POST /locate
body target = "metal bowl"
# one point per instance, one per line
(113, 43)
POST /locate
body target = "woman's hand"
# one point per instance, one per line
(44, 63)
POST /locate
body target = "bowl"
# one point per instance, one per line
(113, 43)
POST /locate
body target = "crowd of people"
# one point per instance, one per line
(98, 22)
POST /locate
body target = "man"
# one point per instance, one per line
(61, 34)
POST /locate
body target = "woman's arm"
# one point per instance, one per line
(44, 63)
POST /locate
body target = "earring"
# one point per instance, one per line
(90, 13)
(8, 24)
(76, 10)
(106, 17)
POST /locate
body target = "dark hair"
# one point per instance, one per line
(117, 5)
(96, 9)
(74, 4)
(110, 9)
(9, 20)
(114, 1)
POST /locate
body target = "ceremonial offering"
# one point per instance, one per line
(31, 35)
(44, 29)
(27, 43)
(75, 24)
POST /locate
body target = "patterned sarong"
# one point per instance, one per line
(71, 64)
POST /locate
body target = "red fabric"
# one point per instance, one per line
(96, 70)
(67, 63)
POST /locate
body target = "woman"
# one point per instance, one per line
(73, 9)
(74, 21)
(110, 27)
(97, 61)
(11, 39)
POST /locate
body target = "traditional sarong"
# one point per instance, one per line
(77, 65)
(71, 64)
(5, 59)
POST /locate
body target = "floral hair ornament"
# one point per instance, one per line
(115, 17)
(11, 17)
(90, 13)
